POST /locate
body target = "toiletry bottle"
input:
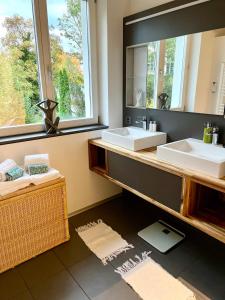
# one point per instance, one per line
(215, 135)
(144, 120)
(207, 136)
(154, 126)
(150, 125)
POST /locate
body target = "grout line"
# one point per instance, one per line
(25, 283)
(69, 272)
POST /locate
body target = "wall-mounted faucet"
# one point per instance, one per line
(143, 121)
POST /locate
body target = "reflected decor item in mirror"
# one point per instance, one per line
(185, 73)
(51, 124)
(164, 101)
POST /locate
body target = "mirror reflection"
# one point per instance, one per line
(185, 73)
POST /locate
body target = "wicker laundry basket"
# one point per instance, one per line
(32, 221)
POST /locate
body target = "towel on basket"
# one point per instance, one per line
(12, 186)
(36, 159)
(5, 166)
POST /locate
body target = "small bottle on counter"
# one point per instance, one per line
(150, 125)
(154, 126)
(215, 135)
(207, 136)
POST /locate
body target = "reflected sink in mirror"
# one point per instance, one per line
(195, 155)
(133, 138)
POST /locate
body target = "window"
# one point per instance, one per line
(152, 73)
(45, 53)
(166, 65)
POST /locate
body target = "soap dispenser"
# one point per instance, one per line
(215, 135)
(207, 136)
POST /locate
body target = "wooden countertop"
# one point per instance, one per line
(148, 156)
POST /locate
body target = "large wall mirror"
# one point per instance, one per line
(185, 73)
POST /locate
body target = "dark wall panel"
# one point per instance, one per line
(178, 125)
(197, 18)
(201, 17)
(162, 186)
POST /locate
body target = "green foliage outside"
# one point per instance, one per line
(169, 66)
(151, 76)
(169, 58)
(19, 81)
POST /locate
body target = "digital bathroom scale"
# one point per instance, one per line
(161, 236)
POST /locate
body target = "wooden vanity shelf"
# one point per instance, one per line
(193, 197)
(98, 159)
(207, 204)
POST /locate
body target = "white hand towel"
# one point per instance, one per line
(15, 185)
(22, 182)
(36, 159)
(42, 178)
(5, 166)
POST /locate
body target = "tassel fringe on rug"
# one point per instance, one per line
(147, 278)
(106, 243)
(151, 282)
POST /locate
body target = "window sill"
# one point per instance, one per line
(42, 135)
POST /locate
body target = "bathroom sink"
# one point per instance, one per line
(195, 155)
(133, 138)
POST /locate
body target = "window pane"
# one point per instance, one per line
(67, 21)
(19, 84)
(170, 48)
(174, 70)
(152, 74)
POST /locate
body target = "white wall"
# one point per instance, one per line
(110, 59)
(69, 154)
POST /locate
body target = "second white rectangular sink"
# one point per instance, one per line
(195, 155)
(133, 138)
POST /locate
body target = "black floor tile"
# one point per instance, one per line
(72, 251)
(208, 276)
(40, 268)
(11, 284)
(93, 276)
(58, 287)
(119, 291)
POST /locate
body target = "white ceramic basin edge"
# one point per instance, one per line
(133, 138)
(193, 154)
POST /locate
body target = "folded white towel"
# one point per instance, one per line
(36, 159)
(15, 185)
(5, 166)
(22, 182)
(45, 177)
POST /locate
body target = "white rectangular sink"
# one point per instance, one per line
(195, 155)
(133, 138)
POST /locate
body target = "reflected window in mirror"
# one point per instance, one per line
(185, 73)
(165, 75)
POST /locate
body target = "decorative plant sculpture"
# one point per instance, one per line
(51, 123)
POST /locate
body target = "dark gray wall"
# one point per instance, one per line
(206, 16)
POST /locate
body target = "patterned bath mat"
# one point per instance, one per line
(101, 239)
(151, 282)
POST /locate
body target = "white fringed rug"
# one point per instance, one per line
(147, 278)
(151, 282)
(103, 240)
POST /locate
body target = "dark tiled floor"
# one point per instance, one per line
(72, 271)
